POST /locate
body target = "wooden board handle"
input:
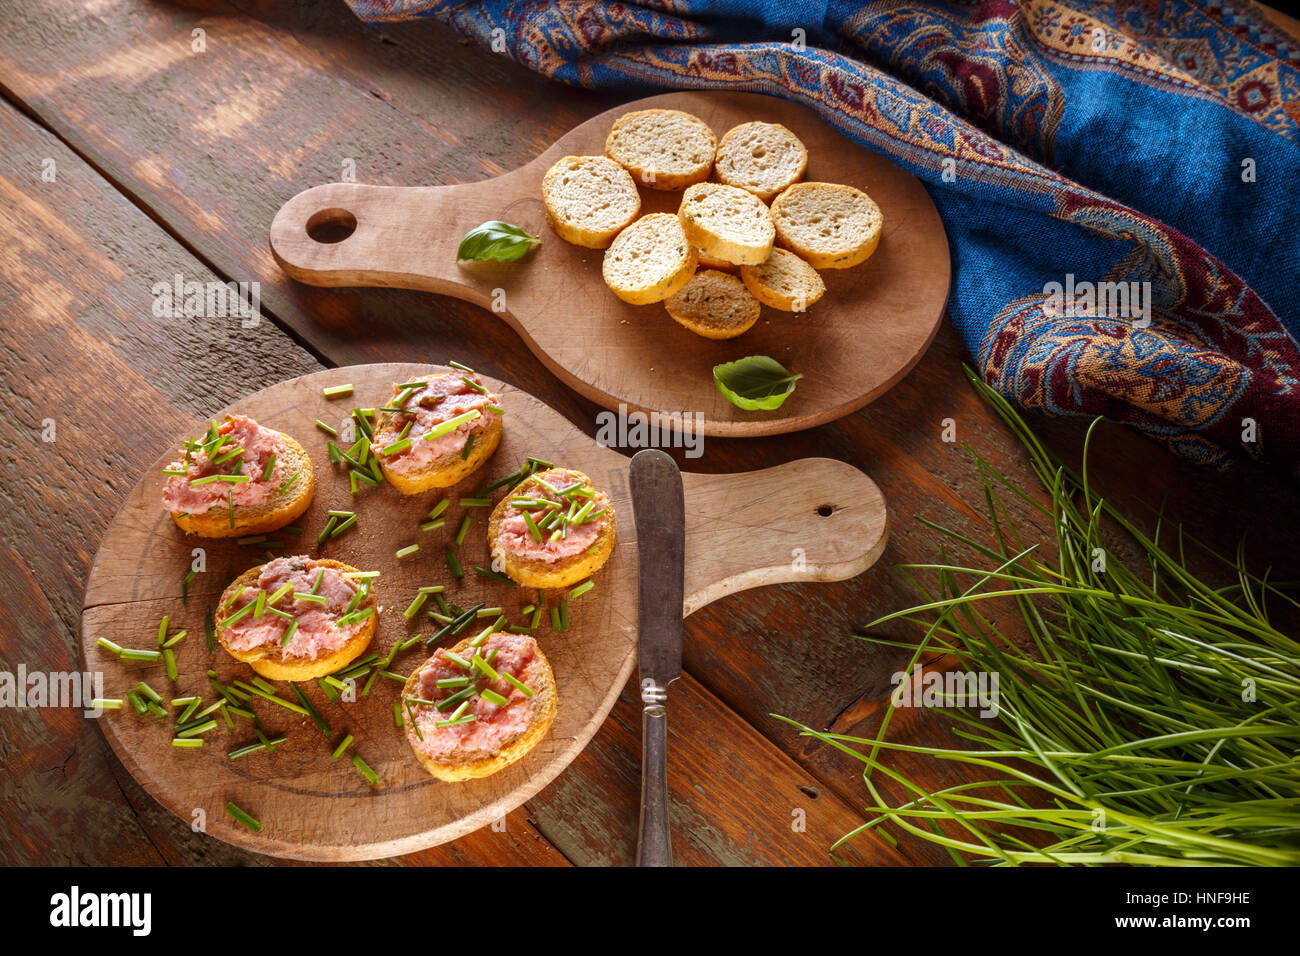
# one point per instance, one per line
(349, 234)
(810, 520)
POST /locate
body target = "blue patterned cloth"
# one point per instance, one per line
(1079, 153)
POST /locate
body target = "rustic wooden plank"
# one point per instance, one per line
(439, 111)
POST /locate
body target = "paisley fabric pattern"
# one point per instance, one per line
(1149, 149)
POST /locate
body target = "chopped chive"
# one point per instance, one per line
(364, 768)
(137, 702)
(368, 478)
(327, 530)
(453, 681)
(464, 368)
(457, 659)
(314, 598)
(189, 710)
(467, 719)
(347, 523)
(489, 573)
(328, 691)
(581, 589)
(252, 539)
(391, 676)
(106, 703)
(475, 502)
(410, 642)
(469, 443)
(238, 615)
(397, 713)
(369, 681)
(327, 429)
(334, 452)
(555, 619)
(490, 695)
(408, 550)
(243, 818)
(131, 654)
(197, 730)
(361, 575)
(495, 408)
(239, 712)
(464, 529)
(439, 508)
(461, 696)
(259, 605)
(187, 742)
(169, 662)
(564, 614)
(315, 588)
(110, 646)
(336, 391)
(343, 745)
(451, 424)
(485, 667)
(520, 685)
(289, 632)
(312, 712)
(162, 629)
(263, 744)
(402, 444)
(453, 564)
(415, 606)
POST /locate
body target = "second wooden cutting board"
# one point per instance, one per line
(874, 323)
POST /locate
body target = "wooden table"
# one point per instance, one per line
(142, 140)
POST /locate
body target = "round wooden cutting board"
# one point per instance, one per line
(813, 519)
(873, 324)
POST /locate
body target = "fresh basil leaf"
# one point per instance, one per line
(754, 383)
(496, 240)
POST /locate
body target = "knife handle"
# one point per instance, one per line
(653, 842)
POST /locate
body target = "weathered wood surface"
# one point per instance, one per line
(210, 145)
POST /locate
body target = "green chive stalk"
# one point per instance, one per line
(1150, 718)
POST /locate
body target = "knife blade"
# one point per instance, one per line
(659, 507)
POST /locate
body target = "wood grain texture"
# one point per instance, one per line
(869, 329)
(210, 145)
(814, 519)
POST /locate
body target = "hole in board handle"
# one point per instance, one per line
(825, 510)
(331, 225)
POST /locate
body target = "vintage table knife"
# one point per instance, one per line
(660, 511)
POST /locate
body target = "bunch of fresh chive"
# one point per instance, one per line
(1153, 718)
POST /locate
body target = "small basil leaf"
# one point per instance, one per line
(754, 383)
(496, 240)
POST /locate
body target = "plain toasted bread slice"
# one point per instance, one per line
(761, 158)
(271, 662)
(446, 470)
(828, 225)
(727, 223)
(458, 766)
(589, 200)
(715, 305)
(290, 500)
(650, 260)
(534, 572)
(784, 282)
(662, 149)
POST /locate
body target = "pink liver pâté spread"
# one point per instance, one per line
(318, 633)
(442, 398)
(517, 538)
(203, 460)
(494, 726)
